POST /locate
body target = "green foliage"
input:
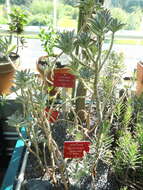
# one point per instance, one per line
(79, 169)
(23, 80)
(2, 1)
(3, 99)
(3, 17)
(6, 48)
(102, 144)
(111, 78)
(128, 115)
(99, 70)
(88, 6)
(38, 20)
(100, 149)
(132, 20)
(86, 73)
(15, 120)
(48, 38)
(38, 128)
(135, 20)
(67, 11)
(3, 20)
(20, 2)
(66, 42)
(115, 25)
(41, 7)
(124, 188)
(84, 39)
(115, 65)
(139, 136)
(120, 14)
(127, 155)
(18, 20)
(99, 25)
(103, 22)
(69, 2)
(128, 4)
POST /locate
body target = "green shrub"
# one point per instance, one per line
(127, 155)
(19, 2)
(41, 7)
(2, 1)
(3, 20)
(120, 14)
(67, 11)
(134, 20)
(39, 20)
(70, 11)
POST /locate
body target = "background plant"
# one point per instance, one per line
(48, 38)
(127, 161)
(6, 48)
(18, 20)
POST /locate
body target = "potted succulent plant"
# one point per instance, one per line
(114, 135)
(9, 53)
(18, 19)
(64, 172)
(46, 63)
(53, 73)
(7, 64)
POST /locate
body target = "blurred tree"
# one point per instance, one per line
(127, 5)
(2, 1)
(69, 2)
(20, 2)
(72, 2)
(120, 3)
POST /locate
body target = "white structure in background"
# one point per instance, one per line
(55, 4)
(7, 2)
(107, 4)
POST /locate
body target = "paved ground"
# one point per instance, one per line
(29, 56)
(31, 53)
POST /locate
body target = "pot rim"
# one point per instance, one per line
(9, 66)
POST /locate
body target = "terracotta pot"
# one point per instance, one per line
(7, 71)
(139, 83)
(40, 68)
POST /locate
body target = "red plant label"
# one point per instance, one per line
(64, 79)
(53, 115)
(75, 149)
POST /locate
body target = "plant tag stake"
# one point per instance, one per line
(63, 78)
(75, 149)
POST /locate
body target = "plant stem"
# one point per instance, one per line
(96, 80)
(108, 53)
